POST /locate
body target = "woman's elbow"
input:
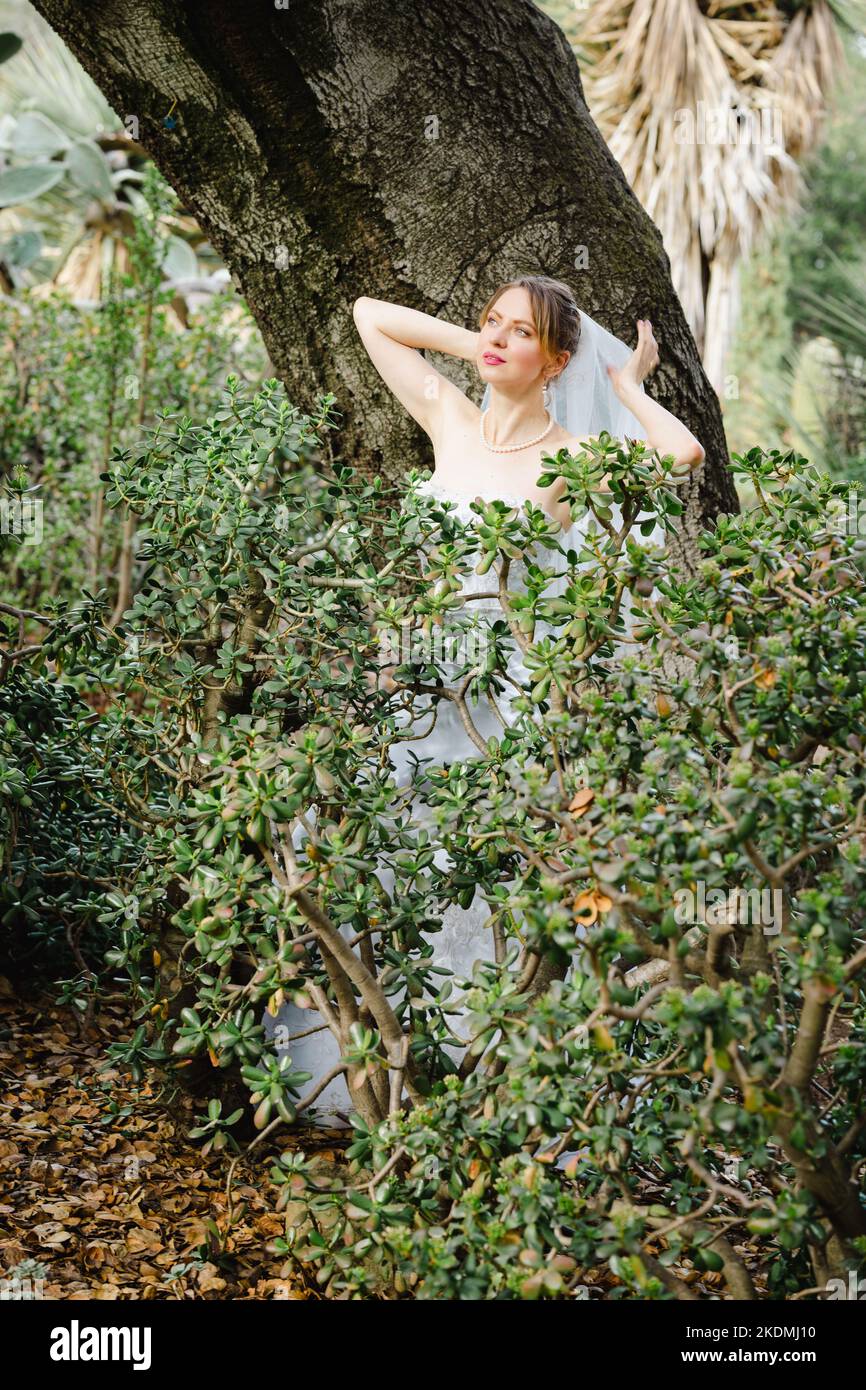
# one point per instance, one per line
(694, 457)
(687, 463)
(360, 304)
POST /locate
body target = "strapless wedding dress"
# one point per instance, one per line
(465, 936)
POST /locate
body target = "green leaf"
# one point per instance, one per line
(179, 260)
(37, 137)
(10, 44)
(27, 182)
(89, 170)
(22, 249)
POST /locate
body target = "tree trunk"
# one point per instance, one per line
(414, 152)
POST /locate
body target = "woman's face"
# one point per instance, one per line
(509, 349)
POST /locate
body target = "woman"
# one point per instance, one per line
(528, 333)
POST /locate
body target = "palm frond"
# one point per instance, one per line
(652, 70)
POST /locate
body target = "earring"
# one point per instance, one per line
(547, 393)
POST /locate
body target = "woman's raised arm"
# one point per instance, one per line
(393, 335)
(664, 432)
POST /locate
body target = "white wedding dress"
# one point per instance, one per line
(465, 936)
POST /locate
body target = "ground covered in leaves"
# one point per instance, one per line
(102, 1195)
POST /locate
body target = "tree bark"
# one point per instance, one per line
(419, 153)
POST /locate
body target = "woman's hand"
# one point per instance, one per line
(662, 430)
(643, 360)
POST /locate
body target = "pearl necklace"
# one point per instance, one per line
(511, 448)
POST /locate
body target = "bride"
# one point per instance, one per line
(530, 330)
(554, 379)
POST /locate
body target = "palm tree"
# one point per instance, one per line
(710, 107)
